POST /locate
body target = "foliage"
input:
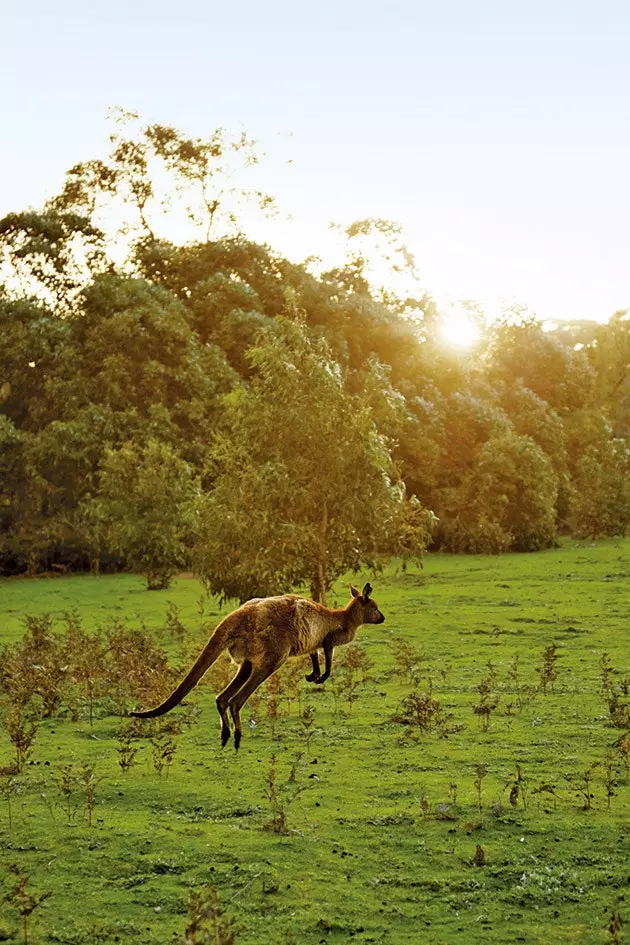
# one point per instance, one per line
(208, 923)
(145, 503)
(149, 166)
(305, 487)
(420, 709)
(22, 899)
(507, 500)
(50, 673)
(120, 345)
(601, 504)
(50, 255)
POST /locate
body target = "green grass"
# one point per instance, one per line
(361, 860)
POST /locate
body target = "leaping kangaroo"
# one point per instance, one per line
(260, 636)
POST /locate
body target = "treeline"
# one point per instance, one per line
(213, 405)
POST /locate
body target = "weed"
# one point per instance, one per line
(419, 710)
(517, 788)
(292, 779)
(611, 777)
(352, 668)
(21, 731)
(607, 673)
(613, 930)
(623, 744)
(547, 671)
(126, 750)
(35, 670)
(281, 795)
(66, 780)
(290, 680)
(72, 781)
(87, 660)
(208, 923)
(345, 687)
(137, 668)
(492, 674)
(307, 719)
(486, 706)
(545, 787)
(11, 787)
(278, 822)
(479, 859)
(522, 692)
(202, 600)
(172, 624)
(162, 753)
(357, 661)
(481, 772)
(616, 694)
(22, 899)
(619, 704)
(582, 785)
(87, 780)
(46, 661)
(271, 700)
(408, 660)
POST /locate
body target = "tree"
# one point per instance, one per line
(145, 503)
(531, 416)
(601, 498)
(127, 368)
(507, 500)
(156, 179)
(558, 374)
(305, 486)
(50, 255)
(609, 352)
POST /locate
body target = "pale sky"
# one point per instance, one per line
(497, 133)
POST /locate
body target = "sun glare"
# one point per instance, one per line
(459, 329)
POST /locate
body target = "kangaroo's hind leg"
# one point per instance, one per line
(259, 673)
(242, 675)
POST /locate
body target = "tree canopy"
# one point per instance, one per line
(211, 404)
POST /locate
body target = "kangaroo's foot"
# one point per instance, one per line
(321, 679)
(312, 677)
(237, 738)
(225, 735)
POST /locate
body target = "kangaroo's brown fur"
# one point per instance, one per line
(261, 635)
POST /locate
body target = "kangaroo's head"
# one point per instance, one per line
(369, 607)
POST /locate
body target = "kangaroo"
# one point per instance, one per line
(260, 636)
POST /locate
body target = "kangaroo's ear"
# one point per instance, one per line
(354, 591)
(367, 590)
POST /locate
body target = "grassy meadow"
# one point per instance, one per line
(506, 824)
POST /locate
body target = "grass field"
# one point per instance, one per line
(393, 834)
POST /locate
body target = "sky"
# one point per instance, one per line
(497, 134)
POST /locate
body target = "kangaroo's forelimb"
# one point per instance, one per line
(314, 676)
(317, 676)
(328, 655)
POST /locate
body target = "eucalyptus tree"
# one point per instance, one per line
(305, 484)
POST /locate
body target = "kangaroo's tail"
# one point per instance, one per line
(210, 653)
